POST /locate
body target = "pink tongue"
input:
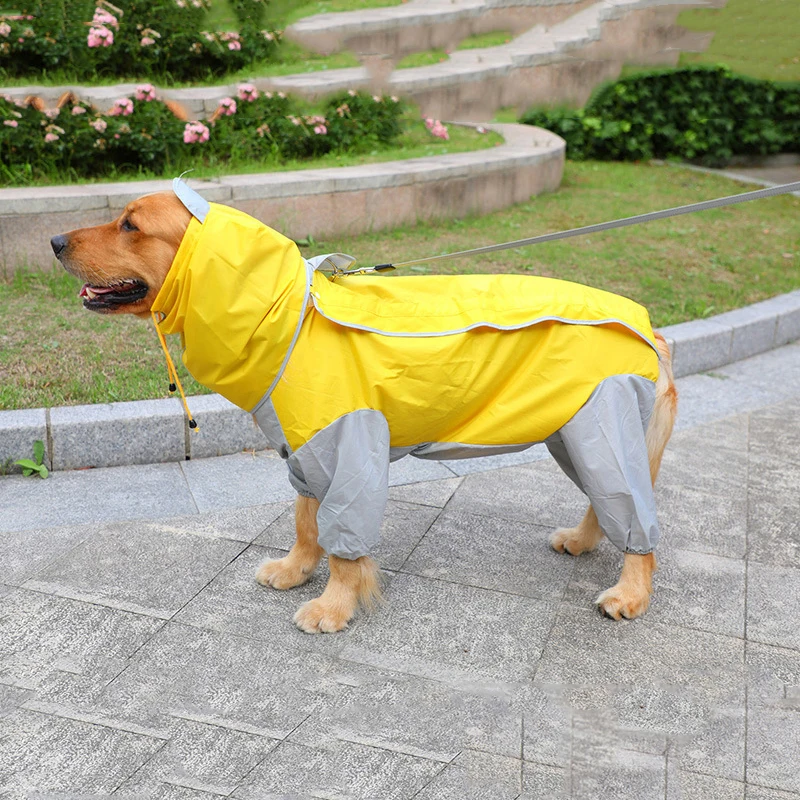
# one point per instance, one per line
(95, 289)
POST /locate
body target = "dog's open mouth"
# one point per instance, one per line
(98, 298)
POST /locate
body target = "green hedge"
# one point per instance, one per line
(158, 39)
(706, 114)
(142, 134)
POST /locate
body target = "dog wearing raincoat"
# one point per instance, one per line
(346, 374)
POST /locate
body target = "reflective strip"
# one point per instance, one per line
(494, 326)
(290, 348)
(197, 206)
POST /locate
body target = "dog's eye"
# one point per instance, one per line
(128, 226)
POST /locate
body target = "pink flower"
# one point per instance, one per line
(246, 91)
(103, 18)
(436, 128)
(146, 41)
(343, 109)
(145, 92)
(208, 36)
(100, 37)
(294, 120)
(234, 45)
(52, 113)
(352, 92)
(377, 98)
(99, 125)
(268, 35)
(180, 3)
(12, 123)
(5, 29)
(320, 129)
(195, 132)
(227, 106)
(76, 110)
(123, 107)
(263, 130)
(51, 137)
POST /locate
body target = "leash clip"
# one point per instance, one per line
(337, 271)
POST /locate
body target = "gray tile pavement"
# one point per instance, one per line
(139, 658)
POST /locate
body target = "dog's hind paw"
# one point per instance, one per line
(618, 602)
(319, 616)
(282, 573)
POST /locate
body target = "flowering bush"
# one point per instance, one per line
(436, 128)
(141, 133)
(162, 38)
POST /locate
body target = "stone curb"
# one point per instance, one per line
(150, 431)
(309, 202)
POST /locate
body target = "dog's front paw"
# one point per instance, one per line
(283, 573)
(569, 540)
(621, 601)
(321, 616)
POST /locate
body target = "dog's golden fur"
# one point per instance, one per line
(141, 244)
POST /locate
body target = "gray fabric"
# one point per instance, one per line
(603, 450)
(331, 261)
(346, 467)
(268, 421)
(196, 205)
(437, 451)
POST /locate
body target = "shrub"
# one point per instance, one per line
(162, 39)
(141, 133)
(696, 113)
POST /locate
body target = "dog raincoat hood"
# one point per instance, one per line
(344, 375)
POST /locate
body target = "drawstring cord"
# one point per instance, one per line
(174, 380)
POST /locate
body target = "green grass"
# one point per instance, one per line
(424, 59)
(415, 142)
(428, 57)
(759, 39)
(55, 353)
(492, 39)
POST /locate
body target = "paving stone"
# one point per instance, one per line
(52, 754)
(184, 673)
(142, 789)
(693, 786)
(771, 435)
(149, 491)
(540, 782)
(690, 589)
(237, 481)
(426, 493)
(443, 630)
(235, 603)
(493, 554)
(774, 535)
(239, 524)
(773, 675)
(686, 684)
(137, 567)
(702, 521)
(773, 747)
(345, 769)
(763, 793)
(773, 605)
(476, 776)
(11, 698)
(24, 553)
(407, 714)
(202, 758)
(538, 494)
(772, 478)
(44, 637)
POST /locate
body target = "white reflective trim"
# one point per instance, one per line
(333, 261)
(198, 206)
(493, 325)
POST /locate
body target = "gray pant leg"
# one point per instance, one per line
(603, 450)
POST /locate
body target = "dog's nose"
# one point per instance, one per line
(58, 243)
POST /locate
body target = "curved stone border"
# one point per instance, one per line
(560, 64)
(316, 202)
(149, 431)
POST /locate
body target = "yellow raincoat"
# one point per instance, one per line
(345, 374)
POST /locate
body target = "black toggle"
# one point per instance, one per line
(192, 424)
(173, 387)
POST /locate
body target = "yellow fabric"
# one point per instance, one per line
(236, 292)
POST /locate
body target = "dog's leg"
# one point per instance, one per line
(630, 597)
(298, 566)
(578, 540)
(351, 583)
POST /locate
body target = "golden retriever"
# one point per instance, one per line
(124, 264)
